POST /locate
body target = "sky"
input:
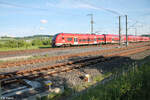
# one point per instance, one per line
(48, 17)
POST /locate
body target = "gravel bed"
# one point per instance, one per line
(57, 52)
(61, 52)
(73, 78)
(30, 66)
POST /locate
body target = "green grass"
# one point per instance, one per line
(24, 48)
(95, 79)
(132, 84)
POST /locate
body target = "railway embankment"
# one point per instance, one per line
(128, 83)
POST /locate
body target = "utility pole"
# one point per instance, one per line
(119, 30)
(92, 22)
(126, 30)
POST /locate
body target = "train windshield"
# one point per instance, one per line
(54, 37)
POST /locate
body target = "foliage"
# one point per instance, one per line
(11, 44)
(6, 44)
(131, 84)
(1, 45)
(41, 42)
(46, 42)
(36, 42)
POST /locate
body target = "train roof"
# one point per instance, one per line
(75, 34)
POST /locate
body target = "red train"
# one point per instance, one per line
(68, 39)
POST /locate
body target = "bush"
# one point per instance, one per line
(15, 44)
(27, 44)
(36, 42)
(46, 42)
(11, 44)
(1, 45)
(21, 43)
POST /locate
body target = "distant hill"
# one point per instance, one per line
(35, 36)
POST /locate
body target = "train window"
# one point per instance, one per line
(84, 40)
(90, 39)
(75, 40)
(99, 38)
(69, 39)
(80, 40)
(102, 38)
(94, 39)
(113, 39)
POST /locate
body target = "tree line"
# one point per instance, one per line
(24, 43)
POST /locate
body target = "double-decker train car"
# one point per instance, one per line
(68, 39)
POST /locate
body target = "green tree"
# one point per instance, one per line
(36, 42)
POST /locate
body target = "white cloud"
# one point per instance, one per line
(43, 21)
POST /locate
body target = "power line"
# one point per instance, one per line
(20, 6)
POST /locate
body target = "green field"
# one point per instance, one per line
(34, 42)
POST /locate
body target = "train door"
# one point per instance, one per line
(105, 38)
(75, 41)
(95, 40)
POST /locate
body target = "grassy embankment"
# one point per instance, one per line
(131, 84)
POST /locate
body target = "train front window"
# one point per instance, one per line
(54, 37)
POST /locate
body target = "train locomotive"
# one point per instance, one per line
(70, 39)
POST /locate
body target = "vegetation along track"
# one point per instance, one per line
(64, 67)
(54, 58)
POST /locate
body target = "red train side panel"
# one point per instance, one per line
(67, 39)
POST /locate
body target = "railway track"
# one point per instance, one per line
(20, 52)
(7, 78)
(55, 58)
(45, 50)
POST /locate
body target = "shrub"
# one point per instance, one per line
(11, 44)
(46, 42)
(21, 43)
(27, 44)
(1, 45)
(36, 42)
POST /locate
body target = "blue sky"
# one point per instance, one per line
(32, 17)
